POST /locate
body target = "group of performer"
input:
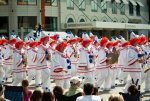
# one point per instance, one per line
(98, 61)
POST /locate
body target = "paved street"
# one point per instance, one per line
(104, 95)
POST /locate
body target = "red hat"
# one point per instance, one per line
(103, 41)
(61, 43)
(142, 38)
(4, 40)
(54, 37)
(19, 43)
(34, 43)
(86, 40)
(109, 44)
(13, 39)
(133, 38)
(44, 36)
(125, 44)
(0, 41)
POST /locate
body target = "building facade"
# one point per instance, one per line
(102, 17)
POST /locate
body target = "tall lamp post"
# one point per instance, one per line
(42, 13)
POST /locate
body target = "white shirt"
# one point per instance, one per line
(89, 98)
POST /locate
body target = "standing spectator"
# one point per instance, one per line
(1, 93)
(36, 96)
(75, 87)
(47, 96)
(133, 94)
(88, 90)
(115, 98)
(26, 92)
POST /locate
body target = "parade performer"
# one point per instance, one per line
(19, 69)
(2, 73)
(72, 52)
(122, 59)
(43, 56)
(102, 69)
(134, 57)
(86, 63)
(60, 72)
(8, 56)
(32, 59)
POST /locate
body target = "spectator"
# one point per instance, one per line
(75, 87)
(58, 89)
(1, 93)
(115, 98)
(47, 96)
(36, 96)
(133, 94)
(88, 90)
(95, 92)
(26, 92)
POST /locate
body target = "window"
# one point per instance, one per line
(51, 23)
(131, 8)
(138, 10)
(27, 22)
(82, 4)
(4, 26)
(114, 7)
(82, 20)
(104, 6)
(122, 8)
(70, 4)
(27, 2)
(70, 20)
(94, 6)
(3, 2)
(51, 2)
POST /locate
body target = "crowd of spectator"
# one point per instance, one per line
(74, 93)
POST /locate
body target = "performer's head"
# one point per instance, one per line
(86, 40)
(44, 38)
(103, 41)
(12, 40)
(19, 44)
(134, 39)
(61, 45)
(4, 40)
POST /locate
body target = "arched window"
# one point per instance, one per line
(70, 20)
(82, 20)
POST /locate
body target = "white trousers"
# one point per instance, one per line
(18, 77)
(65, 83)
(2, 74)
(8, 70)
(38, 80)
(147, 80)
(31, 74)
(103, 76)
(113, 75)
(45, 74)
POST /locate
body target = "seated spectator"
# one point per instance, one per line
(95, 92)
(26, 92)
(58, 90)
(1, 93)
(133, 94)
(75, 87)
(88, 90)
(47, 96)
(115, 98)
(36, 96)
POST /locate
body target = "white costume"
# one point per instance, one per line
(147, 79)
(2, 73)
(123, 63)
(134, 67)
(86, 65)
(71, 51)
(32, 62)
(43, 71)
(59, 61)
(8, 61)
(102, 69)
(19, 70)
